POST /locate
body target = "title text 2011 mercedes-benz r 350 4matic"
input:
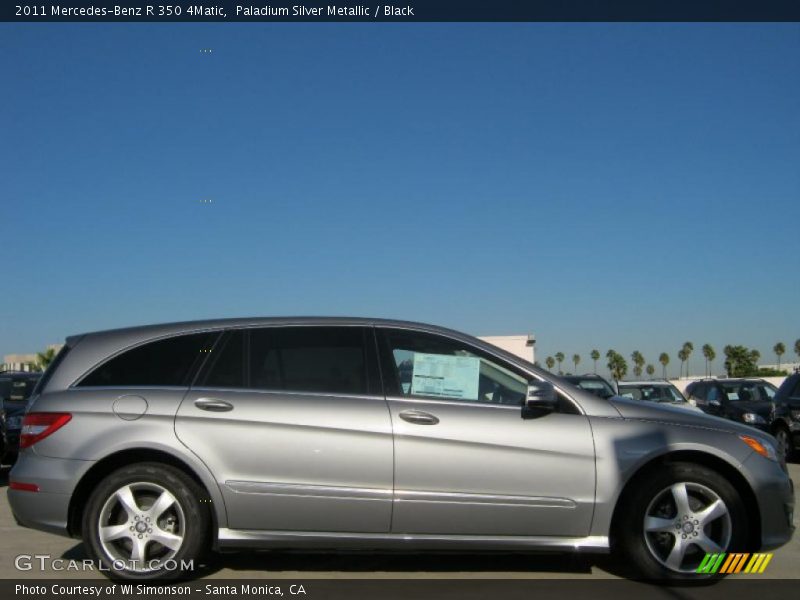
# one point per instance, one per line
(156, 443)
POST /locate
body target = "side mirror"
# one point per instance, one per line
(541, 396)
(714, 403)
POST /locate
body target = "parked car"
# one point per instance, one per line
(15, 388)
(746, 400)
(786, 418)
(655, 391)
(592, 383)
(154, 443)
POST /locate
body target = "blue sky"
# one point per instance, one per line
(626, 186)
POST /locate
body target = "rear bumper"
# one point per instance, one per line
(47, 509)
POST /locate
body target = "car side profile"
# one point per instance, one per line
(154, 444)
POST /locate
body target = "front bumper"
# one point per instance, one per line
(774, 492)
(47, 509)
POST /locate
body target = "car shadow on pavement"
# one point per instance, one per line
(393, 563)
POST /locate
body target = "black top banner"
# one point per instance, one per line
(406, 12)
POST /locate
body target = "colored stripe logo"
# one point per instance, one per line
(734, 563)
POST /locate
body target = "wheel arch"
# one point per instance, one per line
(122, 458)
(721, 466)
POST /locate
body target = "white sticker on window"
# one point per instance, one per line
(446, 376)
(733, 396)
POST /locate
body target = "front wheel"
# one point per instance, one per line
(675, 517)
(146, 522)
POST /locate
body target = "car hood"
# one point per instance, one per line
(635, 409)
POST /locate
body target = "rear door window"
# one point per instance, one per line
(164, 363)
(332, 360)
(228, 364)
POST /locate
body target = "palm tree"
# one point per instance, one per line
(638, 362)
(687, 348)
(710, 354)
(650, 370)
(550, 362)
(560, 359)
(779, 349)
(596, 355)
(576, 359)
(43, 359)
(683, 356)
(663, 358)
(616, 364)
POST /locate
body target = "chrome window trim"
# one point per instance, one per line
(239, 390)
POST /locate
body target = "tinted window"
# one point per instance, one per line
(425, 365)
(228, 362)
(767, 392)
(697, 391)
(796, 392)
(168, 362)
(713, 393)
(748, 391)
(309, 359)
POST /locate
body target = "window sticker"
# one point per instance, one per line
(733, 396)
(446, 376)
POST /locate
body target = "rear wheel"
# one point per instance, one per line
(676, 516)
(146, 522)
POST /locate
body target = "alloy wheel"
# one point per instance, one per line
(683, 523)
(142, 525)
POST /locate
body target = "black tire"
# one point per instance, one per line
(186, 518)
(785, 442)
(646, 555)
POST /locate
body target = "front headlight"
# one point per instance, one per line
(763, 447)
(753, 418)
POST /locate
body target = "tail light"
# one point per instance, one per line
(37, 426)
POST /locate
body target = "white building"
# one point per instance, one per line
(520, 345)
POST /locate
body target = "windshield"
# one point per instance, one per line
(652, 393)
(598, 388)
(749, 391)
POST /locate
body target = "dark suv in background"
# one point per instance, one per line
(15, 388)
(748, 401)
(786, 418)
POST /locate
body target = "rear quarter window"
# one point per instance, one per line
(168, 362)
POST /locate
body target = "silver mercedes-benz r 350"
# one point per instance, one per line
(155, 444)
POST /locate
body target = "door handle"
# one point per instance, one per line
(213, 405)
(418, 417)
